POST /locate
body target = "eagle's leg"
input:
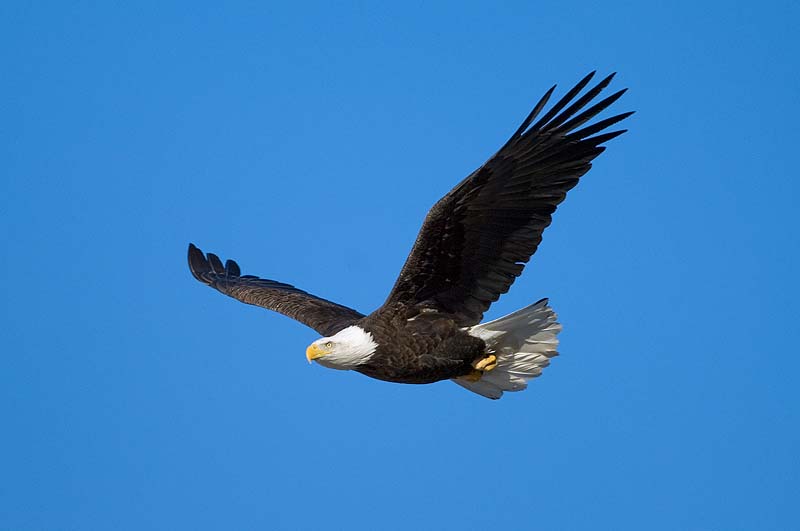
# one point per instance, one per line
(485, 364)
(480, 366)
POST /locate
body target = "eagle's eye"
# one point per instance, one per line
(328, 344)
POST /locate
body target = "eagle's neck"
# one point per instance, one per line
(354, 347)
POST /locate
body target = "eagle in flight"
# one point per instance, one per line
(473, 244)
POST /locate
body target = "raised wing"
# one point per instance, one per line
(324, 316)
(476, 240)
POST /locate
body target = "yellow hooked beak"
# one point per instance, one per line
(313, 352)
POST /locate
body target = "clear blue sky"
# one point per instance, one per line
(308, 143)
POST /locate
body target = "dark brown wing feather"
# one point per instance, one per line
(324, 316)
(476, 240)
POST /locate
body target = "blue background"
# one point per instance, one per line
(308, 143)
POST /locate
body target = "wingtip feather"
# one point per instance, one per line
(215, 263)
(564, 101)
(232, 269)
(198, 264)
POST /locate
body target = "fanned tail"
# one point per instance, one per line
(523, 341)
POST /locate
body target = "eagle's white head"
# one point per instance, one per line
(347, 349)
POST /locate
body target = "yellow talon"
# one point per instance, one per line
(479, 367)
(485, 364)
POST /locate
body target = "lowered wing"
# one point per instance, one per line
(476, 240)
(324, 316)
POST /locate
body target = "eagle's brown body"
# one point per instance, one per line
(402, 333)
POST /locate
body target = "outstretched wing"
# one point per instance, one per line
(325, 317)
(476, 240)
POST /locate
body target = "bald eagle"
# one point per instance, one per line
(473, 244)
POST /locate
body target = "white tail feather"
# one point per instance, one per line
(523, 342)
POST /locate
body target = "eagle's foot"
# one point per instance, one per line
(479, 367)
(485, 364)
